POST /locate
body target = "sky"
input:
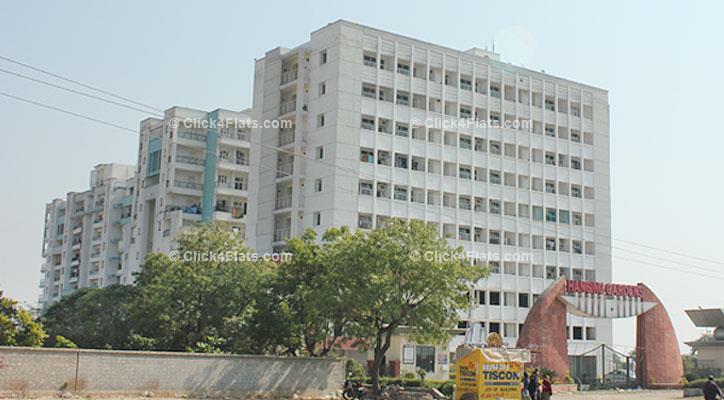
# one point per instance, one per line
(660, 62)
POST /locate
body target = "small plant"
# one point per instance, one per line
(408, 376)
(421, 373)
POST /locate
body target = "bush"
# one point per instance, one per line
(62, 342)
(355, 370)
(408, 376)
(698, 383)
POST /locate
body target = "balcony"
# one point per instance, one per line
(236, 186)
(228, 213)
(286, 137)
(289, 76)
(288, 106)
(283, 202)
(184, 159)
(234, 134)
(283, 234)
(192, 136)
(285, 169)
(188, 185)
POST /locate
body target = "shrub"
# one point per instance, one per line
(698, 383)
(355, 370)
(62, 342)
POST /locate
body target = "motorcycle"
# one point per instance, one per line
(354, 391)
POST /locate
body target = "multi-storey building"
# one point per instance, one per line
(522, 184)
(192, 166)
(82, 244)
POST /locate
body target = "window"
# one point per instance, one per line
(365, 188)
(590, 333)
(367, 156)
(523, 300)
(320, 120)
(494, 327)
(509, 299)
(425, 358)
(537, 213)
(318, 185)
(551, 214)
(564, 217)
(364, 221)
(510, 330)
(401, 160)
(369, 60)
(322, 89)
(369, 91)
(368, 123)
(322, 57)
(401, 193)
(317, 218)
(577, 333)
(494, 237)
(319, 152)
(480, 294)
(494, 299)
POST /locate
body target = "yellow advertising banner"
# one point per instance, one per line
(477, 377)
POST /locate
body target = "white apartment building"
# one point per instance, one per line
(82, 243)
(533, 198)
(189, 170)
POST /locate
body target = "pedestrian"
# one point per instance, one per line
(526, 382)
(547, 388)
(533, 386)
(711, 390)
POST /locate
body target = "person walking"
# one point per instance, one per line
(526, 382)
(711, 390)
(533, 386)
(547, 388)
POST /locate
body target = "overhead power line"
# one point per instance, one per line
(78, 92)
(85, 85)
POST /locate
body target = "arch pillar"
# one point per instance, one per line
(658, 359)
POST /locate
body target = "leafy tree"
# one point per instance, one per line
(92, 318)
(307, 290)
(208, 294)
(390, 278)
(17, 326)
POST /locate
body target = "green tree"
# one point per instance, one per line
(92, 318)
(307, 290)
(17, 325)
(402, 275)
(208, 294)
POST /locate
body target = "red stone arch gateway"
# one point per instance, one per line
(658, 362)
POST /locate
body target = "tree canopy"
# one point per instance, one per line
(17, 325)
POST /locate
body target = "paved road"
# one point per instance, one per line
(615, 395)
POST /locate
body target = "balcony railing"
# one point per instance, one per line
(289, 76)
(234, 134)
(233, 185)
(182, 158)
(283, 202)
(192, 136)
(285, 169)
(287, 106)
(188, 185)
(282, 234)
(286, 137)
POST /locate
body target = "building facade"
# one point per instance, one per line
(523, 183)
(83, 236)
(192, 166)
(509, 163)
